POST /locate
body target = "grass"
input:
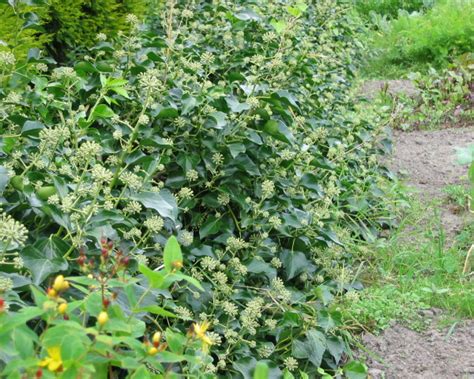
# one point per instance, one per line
(415, 41)
(414, 269)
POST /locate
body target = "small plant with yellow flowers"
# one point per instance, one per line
(87, 325)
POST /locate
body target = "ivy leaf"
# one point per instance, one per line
(294, 263)
(45, 257)
(102, 111)
(247, 15)
(168, 113)
(217, 120)
(163, 202)
(236, 148)
(31, 128)
(211, 226)
(278, 130)
(312, 348)
(172, 256)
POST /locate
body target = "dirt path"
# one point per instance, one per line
(426, 160)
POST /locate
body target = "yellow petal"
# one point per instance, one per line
(55, 353)
(44, 362)
(54, 365)
(205, 339)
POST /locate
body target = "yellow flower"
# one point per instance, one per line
(53, 361)
(200, 332)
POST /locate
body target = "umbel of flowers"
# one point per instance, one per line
(228, 124)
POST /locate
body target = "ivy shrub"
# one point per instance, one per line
(229, 125)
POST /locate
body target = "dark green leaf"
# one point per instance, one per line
(277, 129)
(163, 202)
(45, 257)
(312, 348)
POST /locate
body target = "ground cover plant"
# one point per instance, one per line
(182, 201)
(443, 98)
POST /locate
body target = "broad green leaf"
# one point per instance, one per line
(172, 256)
(261, 371)
(102, 111)
(176, 341)
(236, 148)
(168, 113)
(278, 130)
(31, 128)
(180, 276)
(355, 370)
(163, 202)
(19, 318)
(210, 227)
(141, 373)
(312, 348)
(294, 263)
(70, 337)
(155, 278)
(45, 257)
(156, 310)
(247, 15)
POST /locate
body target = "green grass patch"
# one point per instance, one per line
(413, 270)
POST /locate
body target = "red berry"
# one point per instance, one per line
(105, 302)
(110, 245)
(125, 261)
(39, 374)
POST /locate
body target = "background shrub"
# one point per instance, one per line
(389, 8)
(19, 29)
(434, 37)
(63, 26)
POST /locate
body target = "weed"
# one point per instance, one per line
(411, 271)
(458, 196)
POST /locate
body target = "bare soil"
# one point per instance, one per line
(433, 354)
(427, 162)
(394, 87)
